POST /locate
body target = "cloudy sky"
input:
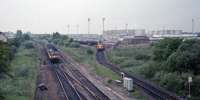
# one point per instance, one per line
(40, 16)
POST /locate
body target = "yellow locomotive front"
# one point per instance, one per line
(100, 46)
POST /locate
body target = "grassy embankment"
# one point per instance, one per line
(130, 58)
(82, 56)
(87, 56)
(24, 70)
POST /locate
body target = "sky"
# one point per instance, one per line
(46, 16)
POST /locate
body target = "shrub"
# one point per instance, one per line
(23, 71)
(29, 45)
(172, 82)
(109, 81)
(90, 52)
(149, 70)
(74, 45)
(142, 57)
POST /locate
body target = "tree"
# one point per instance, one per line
(18, 38)
(186, 58)
(5, 57)
(165, 48)
(26, 37)
(56, 35)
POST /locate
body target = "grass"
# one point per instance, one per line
(138, 95)
(82, 56)
(130, 58)
(24, 70)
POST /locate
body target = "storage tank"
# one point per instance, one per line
(128, 83)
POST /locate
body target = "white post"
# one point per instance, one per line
(189, 88)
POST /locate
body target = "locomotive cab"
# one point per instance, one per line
(100, 46)
(53, 54)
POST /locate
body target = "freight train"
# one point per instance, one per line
(53, 54)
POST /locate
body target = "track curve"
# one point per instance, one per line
(156, 92)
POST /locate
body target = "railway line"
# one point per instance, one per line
(73, 84)
(156, 92)
(96, 93)
(69, 91)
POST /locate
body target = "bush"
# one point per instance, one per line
(165, 48)
(172, 82)
(149, 70)
(90, 52)
(29, 45)
(142, 57)
(23, 72)
(74, 45)
(109, 81)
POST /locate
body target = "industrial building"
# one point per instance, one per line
(117, 35)
(135, 40)
(85, 37)
(161, 32)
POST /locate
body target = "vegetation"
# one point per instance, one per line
(169, 63)
(130, 58)
(18, 61)
(23, 69)
(20, 38)
(86, 56)
(5, 57)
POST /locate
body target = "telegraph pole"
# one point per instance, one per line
(89, 25)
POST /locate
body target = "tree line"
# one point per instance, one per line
(173, 61)
(7, 51)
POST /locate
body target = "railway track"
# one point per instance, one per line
(96, 93)
(69, 91)
(75, 86)
(156, 92)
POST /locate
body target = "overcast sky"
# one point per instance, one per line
(40, 16)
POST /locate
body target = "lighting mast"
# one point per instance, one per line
(103, 29)
(89, 25)
(68, 29)
(193, 26)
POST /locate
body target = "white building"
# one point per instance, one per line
(156, 37)
(161, 32)
(85, 37)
